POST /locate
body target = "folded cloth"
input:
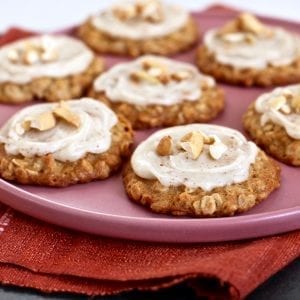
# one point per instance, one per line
(52, 259)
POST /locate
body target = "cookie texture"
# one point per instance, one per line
(51, 89)
(47, 171)
(175, 42)
(264, 177)
(210, 104)
(272, 138)
(270, 76)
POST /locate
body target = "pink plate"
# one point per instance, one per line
(103, 208)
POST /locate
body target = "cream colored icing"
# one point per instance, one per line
(290, 122)
(73, 57)
(174, 18)
(281, 49)
(205, 172)
(65, 142)
(118, 86)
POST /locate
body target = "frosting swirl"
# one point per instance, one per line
(65, 142)
(282, 112)
(236, 49)
(204, 172)
(173, 18)
(118, 85)
(71, 57)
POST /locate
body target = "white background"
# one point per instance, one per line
(47, 15)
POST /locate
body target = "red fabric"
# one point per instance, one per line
(52, 259)
(14, 34)
(38, 255)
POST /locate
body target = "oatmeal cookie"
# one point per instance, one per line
(124, 30)
(272, 123)
(176, 94)
(188, 183)
(269, 76)
(50, 68)
(73, 162)
(246, 52)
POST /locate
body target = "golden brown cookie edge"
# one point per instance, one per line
(208, 107)
(173, 43)
(272, 137)
(220, 202)
(270, 76)
(51, 89)
(47, 171)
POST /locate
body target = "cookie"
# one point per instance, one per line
(273, 122)
(154, 91)
(199, 170)
(247, 52)
(49, 68)
(64, 143)
(140, 27)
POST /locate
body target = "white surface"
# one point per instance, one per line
(46, 15)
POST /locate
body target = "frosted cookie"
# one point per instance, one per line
(136, 27)
(155, 91)
(50, 68)
(273, 121)
(64, 143)
(248, 52)
(199, 170)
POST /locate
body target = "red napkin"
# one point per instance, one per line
(52, 259)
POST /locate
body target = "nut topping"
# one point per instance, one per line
(152, 63)
(150, 10)
(13, 55)
(229, 27)
(155, 72)
(286, 109)
(245, 23)
(250, 38)
(181, 75)
(26, 125)
(286, 103)
(63, 112)
(249, 23)
(30, 57)
(31, 53)
(144, 10)
(217, 149)
(143, 76)
(42, 122)
(164, 147)
(277, 102)
(208, 139)
(193, 143)
(288, 94)
(47, 120)
(295, 103)
(125, 13)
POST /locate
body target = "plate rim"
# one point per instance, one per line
(221, 226)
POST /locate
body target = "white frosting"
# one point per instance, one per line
(65, 142)
(205, 172)
(73, 58)
(290, 122)
(174, 18)
(118, 86)
(282, 48)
